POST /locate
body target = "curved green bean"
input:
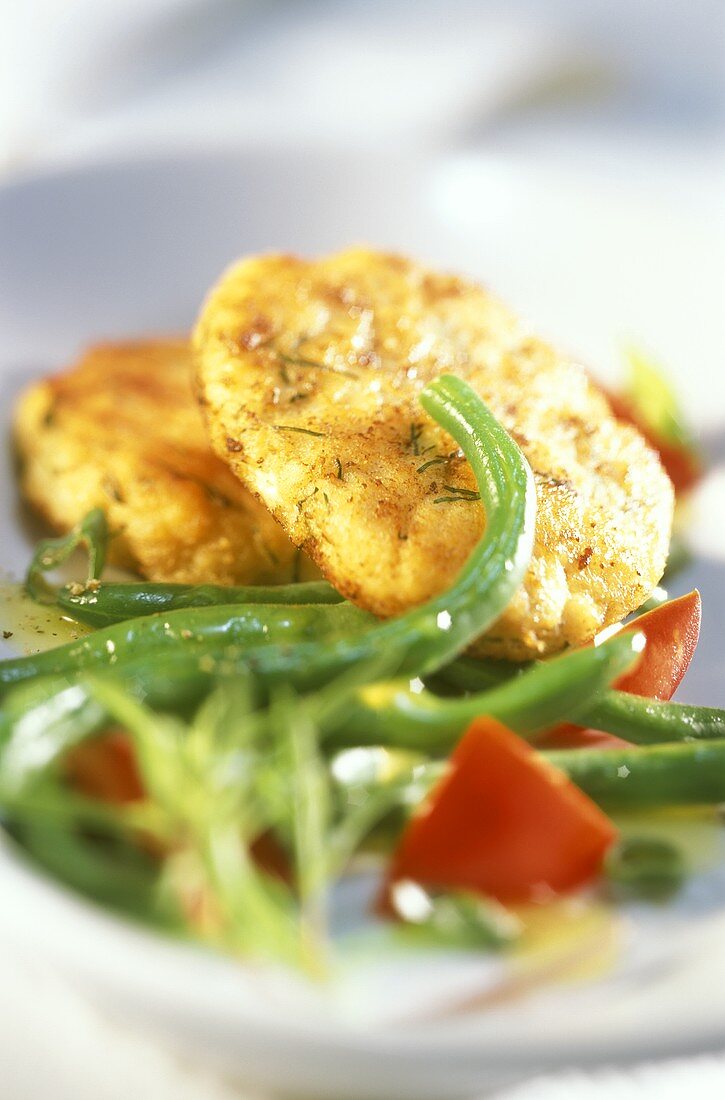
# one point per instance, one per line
(635, 718)
(104, 604)
(396, 714)
(650, 722)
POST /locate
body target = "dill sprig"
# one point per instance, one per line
(431, 462)
(416, 431)
(301, 361)
(213, 786)
(462, 491)
(457, 494)
(295, 428)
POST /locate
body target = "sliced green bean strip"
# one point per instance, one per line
(396, 714)
(310, 645)
(651, 722)
(42, 718)
(37, 731)
(654, 775)
(103, 604)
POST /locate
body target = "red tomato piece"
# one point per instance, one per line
(105, 768)
(503, 822)
(672, 631)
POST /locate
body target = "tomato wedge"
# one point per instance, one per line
(672, 631)
(105, 768)
(503, 822)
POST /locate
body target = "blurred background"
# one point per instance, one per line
(604, 81)
(630, 90)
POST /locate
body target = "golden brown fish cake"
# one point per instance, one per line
(122, 430)
(310, 375)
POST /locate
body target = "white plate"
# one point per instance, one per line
(130, 248)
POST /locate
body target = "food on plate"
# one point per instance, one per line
(213, 758)
(310, 374)
(309, 645)
(474, 835)
(121, 430)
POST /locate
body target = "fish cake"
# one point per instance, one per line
(310, 374)
(122, 430)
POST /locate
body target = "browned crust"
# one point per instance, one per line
(121, 430)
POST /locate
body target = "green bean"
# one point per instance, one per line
(650, 722)
(655, 775)
(645, 867)
(310, 645)
(632, 717)
(42, 719)
(103, 604)
(118, 875)
(285, 631)
(678, 558)
(396, 714)
(439, 630)
(458, 920)
(476, 674)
